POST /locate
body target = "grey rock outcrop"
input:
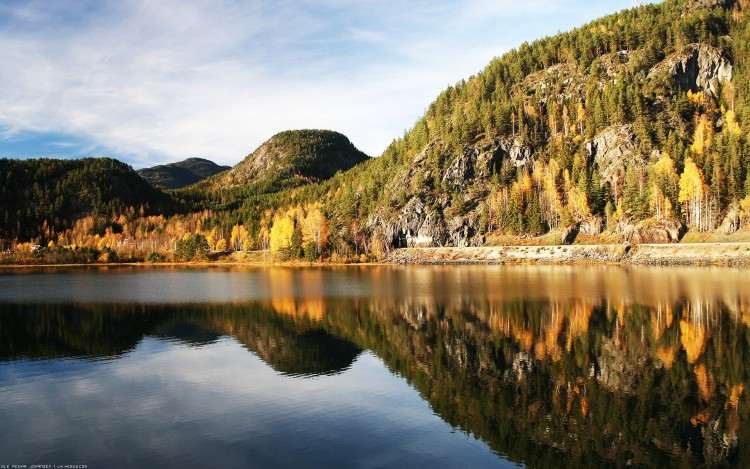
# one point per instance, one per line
(592, 226)
(706, 4)
(696, 67)
(519, 154)
(651, 231)
(415, 225)
(612, 151)
(732, 220)
(461, 170)
(462, 231)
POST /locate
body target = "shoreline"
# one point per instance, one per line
(195, 264)
(677, 254)
(685, 254)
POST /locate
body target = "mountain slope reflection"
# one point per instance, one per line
(545, 382)
(52, 331)
(580, 381)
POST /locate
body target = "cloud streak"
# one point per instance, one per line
(154, 82)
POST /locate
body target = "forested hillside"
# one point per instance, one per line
(640, 115)
(40, 198)
(634, 128)
(635, 124)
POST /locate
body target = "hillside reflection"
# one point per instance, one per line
(563, 377)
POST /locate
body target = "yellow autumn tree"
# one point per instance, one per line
(731, 126)
(315, 228)
(524, 184)
(702, 136)
(692, 193)
(664, 171)
(697, 98)
(664, 184)
(578, 204)
(280, 237)
(211, 238)
(545, 177)
(659, 204)
(247, 241)
(264, 238)
(240, 238)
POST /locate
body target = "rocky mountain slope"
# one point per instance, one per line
(182, 173)
(604, 128)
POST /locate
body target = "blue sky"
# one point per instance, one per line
(153, 82)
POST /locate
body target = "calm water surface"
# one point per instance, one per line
(489, 366)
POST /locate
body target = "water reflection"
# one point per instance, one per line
(43, 332)
(548, 366)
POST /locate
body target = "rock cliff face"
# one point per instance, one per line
(414, 225)
(433, 207)
(696, 67)
(706, 4)
(612, 151)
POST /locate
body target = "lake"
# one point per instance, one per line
(377, 366)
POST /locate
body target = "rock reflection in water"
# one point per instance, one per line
(581, 380)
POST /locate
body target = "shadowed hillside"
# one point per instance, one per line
(182, 173)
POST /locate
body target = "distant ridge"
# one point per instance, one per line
(182, 173)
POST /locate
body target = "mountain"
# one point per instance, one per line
(633, 127)
(42, 197)
(286, 162)
(292, 158)
(182, 173)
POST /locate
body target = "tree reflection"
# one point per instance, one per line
(547, 382)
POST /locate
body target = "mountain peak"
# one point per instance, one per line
(296, 155)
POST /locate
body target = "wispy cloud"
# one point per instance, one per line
(153, 82)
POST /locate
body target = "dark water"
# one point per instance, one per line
(375, 367)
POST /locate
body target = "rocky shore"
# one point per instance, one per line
(728, 254)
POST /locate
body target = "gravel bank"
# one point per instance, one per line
(644, 254)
